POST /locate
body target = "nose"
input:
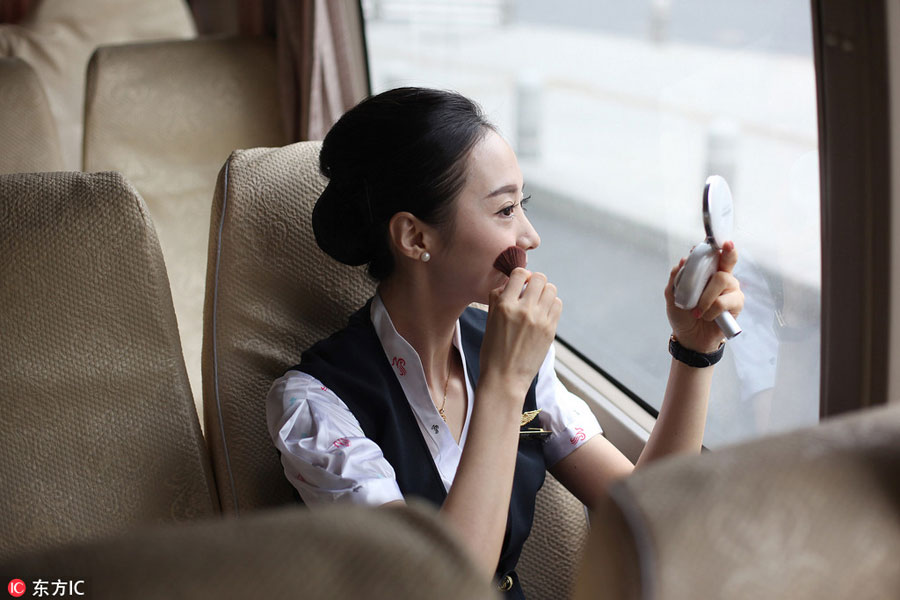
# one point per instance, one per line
(528, 238)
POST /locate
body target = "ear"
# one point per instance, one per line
(410, 236)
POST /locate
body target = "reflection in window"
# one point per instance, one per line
(618, 112)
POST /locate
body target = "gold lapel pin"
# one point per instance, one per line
(528, 417)
(532, 432)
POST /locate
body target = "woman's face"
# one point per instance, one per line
(489, 218)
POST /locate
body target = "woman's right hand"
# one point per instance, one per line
(520, 327)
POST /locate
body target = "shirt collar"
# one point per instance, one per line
(395, 345)
(407, 366)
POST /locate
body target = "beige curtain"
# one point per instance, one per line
(322, 65)
(321, 54)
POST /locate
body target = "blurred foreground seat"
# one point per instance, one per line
(334, 552)
(271, 293)
(99, 432)
(30, 142)
(809, 515)
(167, 115)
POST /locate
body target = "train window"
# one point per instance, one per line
(618, 111)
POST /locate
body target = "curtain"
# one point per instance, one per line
(322, 66)
(12, 11)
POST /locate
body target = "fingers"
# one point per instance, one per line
(548, 299)
(536, 284)
(670, 286)
(514, 284)
(723, 292)
(538, 295)
(513, 288)
(728, 258)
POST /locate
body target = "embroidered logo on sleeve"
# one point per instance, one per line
(341, 443)
(400, 364)
(578, 437)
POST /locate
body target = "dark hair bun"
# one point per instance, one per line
(401, 150)
(343, 225)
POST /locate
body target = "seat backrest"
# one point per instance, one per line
(30, 139)
(334, 552)
(167, 115)
(99, 432)
(812, 514)
(57, 37)
(548, 566)
(271, 293)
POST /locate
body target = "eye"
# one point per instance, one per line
(507, 211)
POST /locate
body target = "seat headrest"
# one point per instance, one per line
(271, 293)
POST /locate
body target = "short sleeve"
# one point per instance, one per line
(324, 451)
(563, 413)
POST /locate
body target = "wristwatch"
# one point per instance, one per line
(692, 358)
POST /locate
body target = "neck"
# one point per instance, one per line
(425, 318)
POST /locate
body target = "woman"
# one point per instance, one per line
(422, 396)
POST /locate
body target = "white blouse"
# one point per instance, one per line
(328, 458)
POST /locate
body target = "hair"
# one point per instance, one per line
(401, 150)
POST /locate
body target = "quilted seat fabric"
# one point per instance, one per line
(335, 552)
(271, 293)
(30, 141)
(167, 115)
(99, 432)
(548, 566)
(808, 515)
(57, 38)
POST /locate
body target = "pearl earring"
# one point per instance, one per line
(425, 257)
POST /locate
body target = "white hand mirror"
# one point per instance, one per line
(703, 261)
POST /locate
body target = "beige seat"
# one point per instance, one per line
(336, 552)
(98, 432)
(808, 515)
(167, 115)
(57, 38)
(30, 140)
(271, 293)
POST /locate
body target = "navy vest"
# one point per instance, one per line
(353, 364)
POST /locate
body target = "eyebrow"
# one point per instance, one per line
(506, 189)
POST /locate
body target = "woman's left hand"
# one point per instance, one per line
(696, 329)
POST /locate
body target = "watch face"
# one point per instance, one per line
(718, 210)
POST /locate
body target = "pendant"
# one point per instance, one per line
(443, 416)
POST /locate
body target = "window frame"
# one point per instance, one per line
(851, 63)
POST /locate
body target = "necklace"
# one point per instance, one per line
(441, 409)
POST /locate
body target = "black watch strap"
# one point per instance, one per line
(692, 358)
